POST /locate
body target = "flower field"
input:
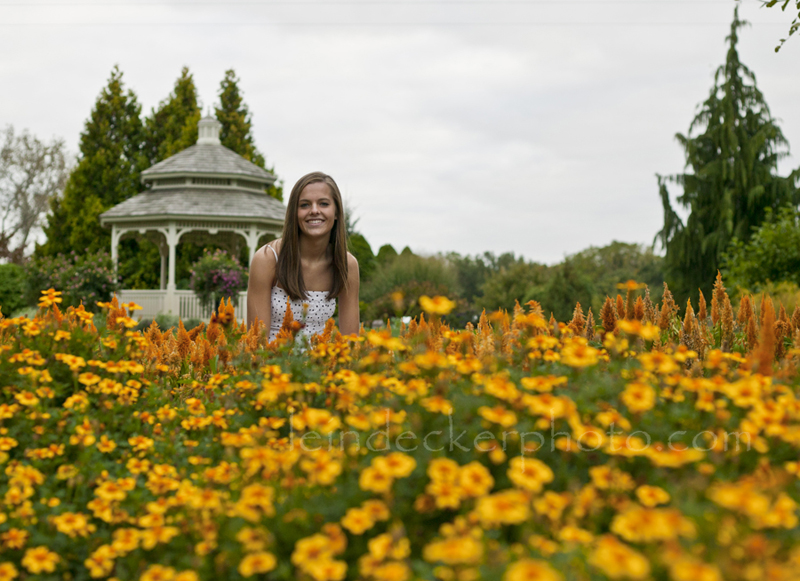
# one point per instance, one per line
(652, 442)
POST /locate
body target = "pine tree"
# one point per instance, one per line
(107, 173)
(173, 126)
(236, 123)
(733, 179)
(170, 128)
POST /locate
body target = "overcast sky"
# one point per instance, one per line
(532, 126)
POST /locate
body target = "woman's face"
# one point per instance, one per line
(316, 210)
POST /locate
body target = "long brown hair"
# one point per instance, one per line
(289, 271)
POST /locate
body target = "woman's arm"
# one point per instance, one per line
(349, 319)
(259, 287)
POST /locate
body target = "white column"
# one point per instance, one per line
(171, 299)
(115, 234)
(163, 251)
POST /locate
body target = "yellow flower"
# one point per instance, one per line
(255, 563)
(578, 353)
(638, 397)
(443, 469)
(498, 415)
(105, 445)
(529, 473)
(26, 398)
(437, 305)
(571, 534)
(357, 520)
(652, 495)
(126, 540)
(646, 331)
(309, 549)
(327, 570)
(40, 560)
(454, 551)
(158, 573)
(14, 538)
(88, 378)
(49, 297)
(101, 562)
(7, 443)
(475, 479)
(618, 561)
(73, 524)
(688, 569)
(507, 507)
(8, 571)
(377, 477)
(400, 465)
(530, 570)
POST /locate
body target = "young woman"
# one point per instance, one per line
(309, 264)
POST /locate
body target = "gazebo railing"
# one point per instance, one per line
(189, 307)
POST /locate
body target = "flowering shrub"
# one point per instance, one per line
(83, 278)
(217, 275)
(648, 445)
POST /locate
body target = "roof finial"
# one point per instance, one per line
(208, 131)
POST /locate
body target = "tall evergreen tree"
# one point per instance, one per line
(107, 173)
(172, 127)
(733, 162)
(236, 123)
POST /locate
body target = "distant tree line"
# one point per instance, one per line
(392, 282)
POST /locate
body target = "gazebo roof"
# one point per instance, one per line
(207, 159)
(197, 203)
(201, 183)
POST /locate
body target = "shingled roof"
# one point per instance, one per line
(198, 203)
(207, 159)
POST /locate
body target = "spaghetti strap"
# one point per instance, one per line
(273, 252)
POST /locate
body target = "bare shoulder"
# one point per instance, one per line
(263, 266)
(352, 262)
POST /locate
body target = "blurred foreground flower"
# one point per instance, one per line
(436, 305)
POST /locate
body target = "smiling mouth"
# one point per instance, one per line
(313, 222)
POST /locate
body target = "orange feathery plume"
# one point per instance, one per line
(184, 341)
(578, 322)
(688, 319)
(795, 321)
(727, 319)
(590, 325)
(630, 310)
(608, 316)
(766, 348)
(745, 310)
(701, 310)
(638, 309)
(620, 307)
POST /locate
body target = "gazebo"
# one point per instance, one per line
(204, 193)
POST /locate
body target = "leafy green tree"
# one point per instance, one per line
(12, 288)
(772, 255)
(386, 253)
(795, 26)
(733, 161)
(236, 124)
(169, 129)
(172, 127)
(361, 249)
(107, 173)
(565, 285)
(396, 286)
(510, 281)
(607, 266)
